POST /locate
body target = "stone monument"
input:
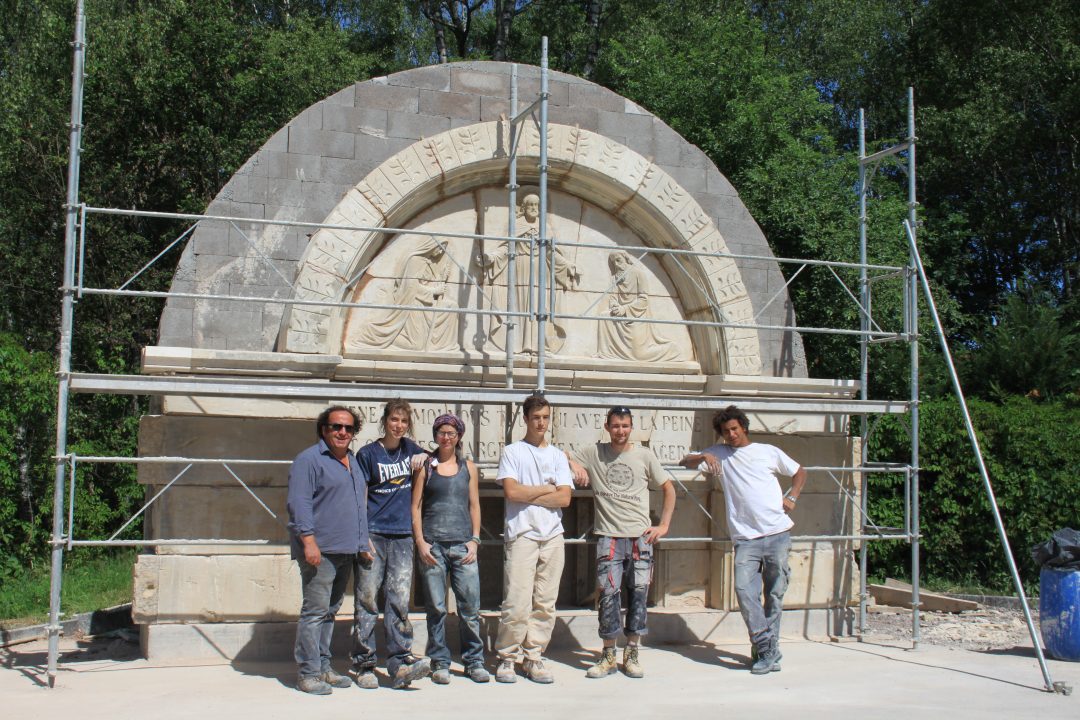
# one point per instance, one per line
(426, 152)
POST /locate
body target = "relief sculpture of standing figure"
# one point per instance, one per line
(495, 264)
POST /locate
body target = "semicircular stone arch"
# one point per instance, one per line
(351, 157)
(584, 164)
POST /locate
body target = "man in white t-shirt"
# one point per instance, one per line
(536, 481)
(757, 513)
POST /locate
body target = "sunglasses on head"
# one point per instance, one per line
(619, 410)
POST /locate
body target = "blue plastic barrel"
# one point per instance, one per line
(1059, 612)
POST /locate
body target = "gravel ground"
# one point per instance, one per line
(987, 628)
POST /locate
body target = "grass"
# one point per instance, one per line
(88, 584)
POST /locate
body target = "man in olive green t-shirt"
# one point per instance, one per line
(621, 475)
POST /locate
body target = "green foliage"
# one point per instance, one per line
(1032, 350)
(1032, 451)
(90, 583)
(26, 471)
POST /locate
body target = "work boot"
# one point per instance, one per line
(412, 668)
(478, 673)
(535, 671)
(606, 665)
(333, 679)
(441, 676)
(506, 673)
(630, 664)
(313, 685)
(366, 678)
(755, 654)
(767, 662)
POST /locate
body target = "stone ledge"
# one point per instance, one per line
(573, 629)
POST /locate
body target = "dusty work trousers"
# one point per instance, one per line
(323, 587)
(389, 570)
(532, 570)
(761, 564)
(623, 561)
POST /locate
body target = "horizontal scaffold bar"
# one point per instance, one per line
(339, 391)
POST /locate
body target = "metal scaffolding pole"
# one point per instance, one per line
(67, 322)
(511, 245)
(545, 244)
(864, 325)
(913, 345)
(1050, 685)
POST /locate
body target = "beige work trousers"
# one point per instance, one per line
(532, 570)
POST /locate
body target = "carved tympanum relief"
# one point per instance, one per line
(419, 271)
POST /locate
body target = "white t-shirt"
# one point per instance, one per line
(533, 466)
(752, 494)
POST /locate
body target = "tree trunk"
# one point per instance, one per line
(504, 18)
(592, 20)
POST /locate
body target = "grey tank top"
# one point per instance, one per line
(445, 515)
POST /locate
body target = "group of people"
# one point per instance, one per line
(368, 514)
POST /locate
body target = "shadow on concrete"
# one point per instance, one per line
(118, 645)
(867, 648)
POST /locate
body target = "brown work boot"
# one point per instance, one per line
(333, 679)
(535, 671)
(606, 665)
(630, 664)
(313, 685)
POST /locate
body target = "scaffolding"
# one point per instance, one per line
(541, 310)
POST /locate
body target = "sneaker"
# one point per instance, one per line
(411, 668)
(313, 685)
(535, 671)
(767, 662)
(478, 673)
(333, 679)
(366, 678)
(630, 664)
(506, 673)
(441, 676)
(606, 665)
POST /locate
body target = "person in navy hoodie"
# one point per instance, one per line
(386, 464)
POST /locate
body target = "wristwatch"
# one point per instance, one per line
(788, 496)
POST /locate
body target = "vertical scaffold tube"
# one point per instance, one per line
(542, 309)
(67, 313)
(511, 231)
(864, 324)
(913, 345)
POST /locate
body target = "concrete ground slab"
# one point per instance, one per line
(819, 680)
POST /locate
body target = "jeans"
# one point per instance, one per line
(465, 581)
(762, 563)
(323, 587)
(623, 561)
(390, 570)
(532, 570)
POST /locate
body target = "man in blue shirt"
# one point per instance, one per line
(328, 527)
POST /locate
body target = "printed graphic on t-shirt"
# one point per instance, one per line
(394, 473)
(619, 478)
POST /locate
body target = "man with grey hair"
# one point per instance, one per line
(327, 505)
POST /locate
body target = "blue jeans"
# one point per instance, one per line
(390, 570)
(323, 587)
(465, 581)
(623, 561)
(762, 563)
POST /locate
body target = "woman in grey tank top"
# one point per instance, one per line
(446, 528)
